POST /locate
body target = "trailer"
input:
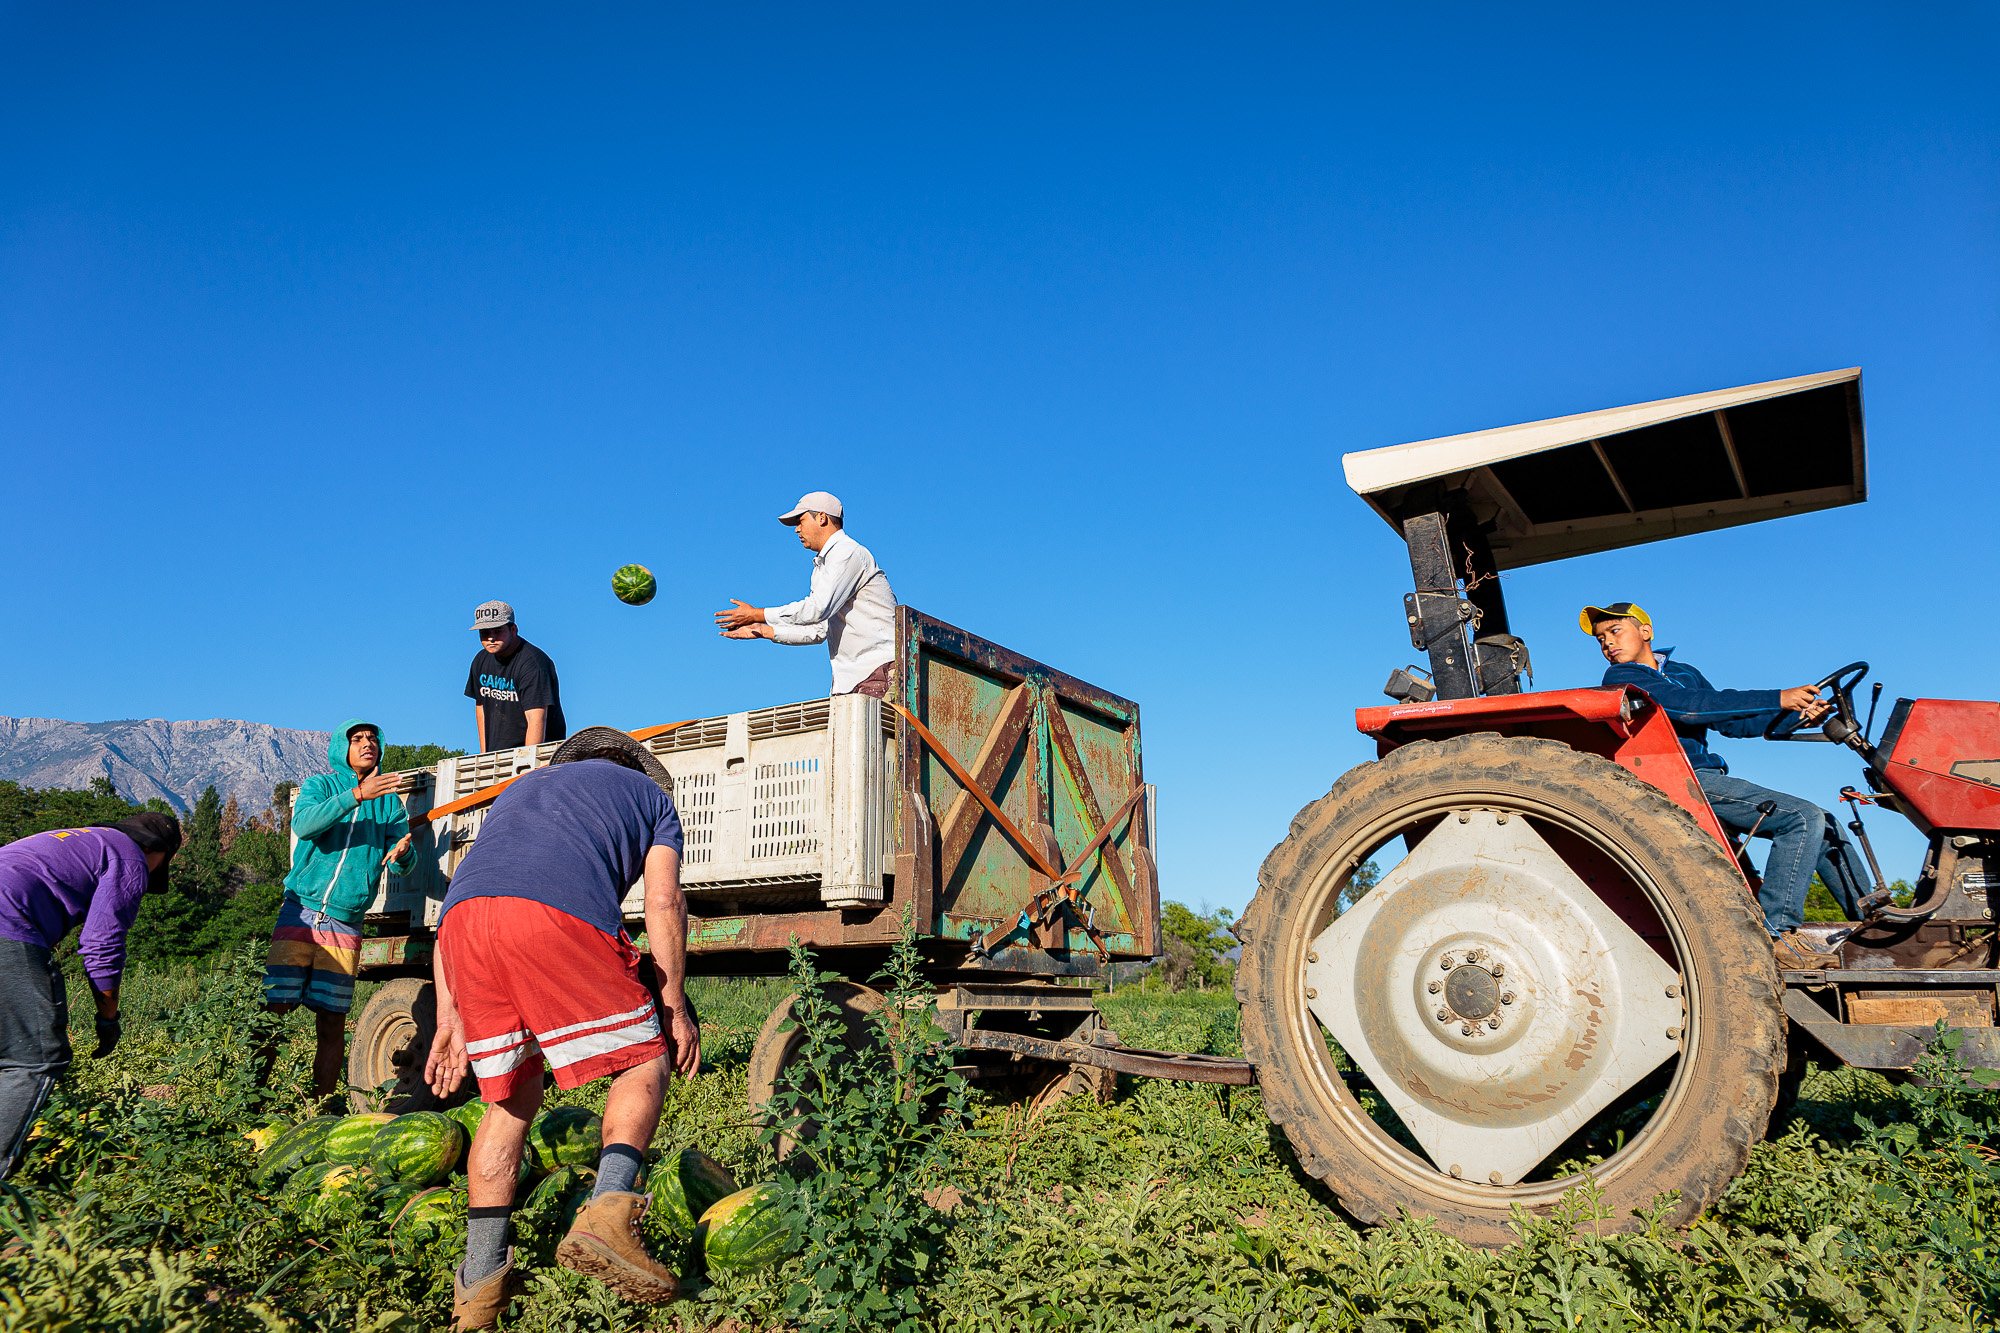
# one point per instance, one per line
(996, 803)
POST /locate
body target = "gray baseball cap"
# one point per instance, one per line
(812, 502)
(492, 615)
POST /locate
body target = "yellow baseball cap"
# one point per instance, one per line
(1586, 619)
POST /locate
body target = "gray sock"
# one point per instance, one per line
(485, 1242)
(617, 1169)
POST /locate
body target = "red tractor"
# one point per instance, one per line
(1562, 971)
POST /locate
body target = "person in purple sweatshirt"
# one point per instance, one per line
(50, 882)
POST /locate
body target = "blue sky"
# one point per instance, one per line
(316, 329)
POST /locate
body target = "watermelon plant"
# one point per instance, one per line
(883, 1113)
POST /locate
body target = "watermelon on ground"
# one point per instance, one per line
(354, 1137)
(420, 1148)
(293, 1148)
(467, 1116)
(564, 1136)
(750, 1228)
(428, 1213)
(686, 1186)
(328, 1189)
(554, 1203)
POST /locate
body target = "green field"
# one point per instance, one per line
(1173, 1208)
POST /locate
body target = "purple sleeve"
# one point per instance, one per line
(101, 944)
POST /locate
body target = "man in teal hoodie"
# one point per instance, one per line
(348, 823)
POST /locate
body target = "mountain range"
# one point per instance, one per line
(153, 757)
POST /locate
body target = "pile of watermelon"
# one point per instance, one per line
(336, 1167)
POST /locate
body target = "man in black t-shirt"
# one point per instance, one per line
(516, 699)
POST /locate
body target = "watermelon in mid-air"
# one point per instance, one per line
(750, 1228)
(420, 1148)
(634, 585)
(353, 1139)
(564, 1136)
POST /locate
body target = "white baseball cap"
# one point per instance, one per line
(812, 502)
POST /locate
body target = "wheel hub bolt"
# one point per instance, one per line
(1493, 1177)
(1444, 1015)
(1493, 1023)
(1506, 997)
(1498, 970)
(1465, 1030)
(1673, 992)
(1435, 987)
(1476, 956)
(1447, 962)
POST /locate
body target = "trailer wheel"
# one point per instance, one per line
(392, 1039)
(1066, 1081)
(1562, 977)
(779, 1040)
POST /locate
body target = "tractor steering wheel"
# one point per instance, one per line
(1788, 724)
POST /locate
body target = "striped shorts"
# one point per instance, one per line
(313, 960)
(536, 985)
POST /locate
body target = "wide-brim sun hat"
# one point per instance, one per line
(614, 745)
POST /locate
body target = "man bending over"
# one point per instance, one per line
(1804, 838)
(533, 966)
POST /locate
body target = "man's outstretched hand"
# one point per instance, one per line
(739, 615)
(377, 784)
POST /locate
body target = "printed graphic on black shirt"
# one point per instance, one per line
(508, 689)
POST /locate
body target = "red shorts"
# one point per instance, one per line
(533, 984)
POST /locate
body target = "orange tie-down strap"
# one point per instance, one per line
(1062, 886)
(485, 794)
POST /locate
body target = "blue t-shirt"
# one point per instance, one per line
(573, 836)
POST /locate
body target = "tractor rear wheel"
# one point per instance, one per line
(1560, 977)
(392, 1042)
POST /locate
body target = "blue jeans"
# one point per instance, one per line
(1804, 838)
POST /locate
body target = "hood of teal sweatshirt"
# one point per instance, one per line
(337, 743)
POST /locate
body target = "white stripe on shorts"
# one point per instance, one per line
(572, 1050)
(546, 1037)
(492, 1066)
(487, 1045)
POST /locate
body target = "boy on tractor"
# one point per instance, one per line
(1804, 838)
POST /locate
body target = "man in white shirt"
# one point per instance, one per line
(850, 605)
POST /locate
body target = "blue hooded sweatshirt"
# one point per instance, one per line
(1694, 706)
(341, 842)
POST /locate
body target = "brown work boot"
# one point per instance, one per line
(1798, 953)
(479, 1305)
(604, 1243)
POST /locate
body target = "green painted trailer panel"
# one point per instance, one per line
(1059, 757)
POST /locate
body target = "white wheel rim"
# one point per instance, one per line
(1552, 1007)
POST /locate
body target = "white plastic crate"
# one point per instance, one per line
(786, 803)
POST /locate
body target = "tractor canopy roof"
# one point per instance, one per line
(1598, 481)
